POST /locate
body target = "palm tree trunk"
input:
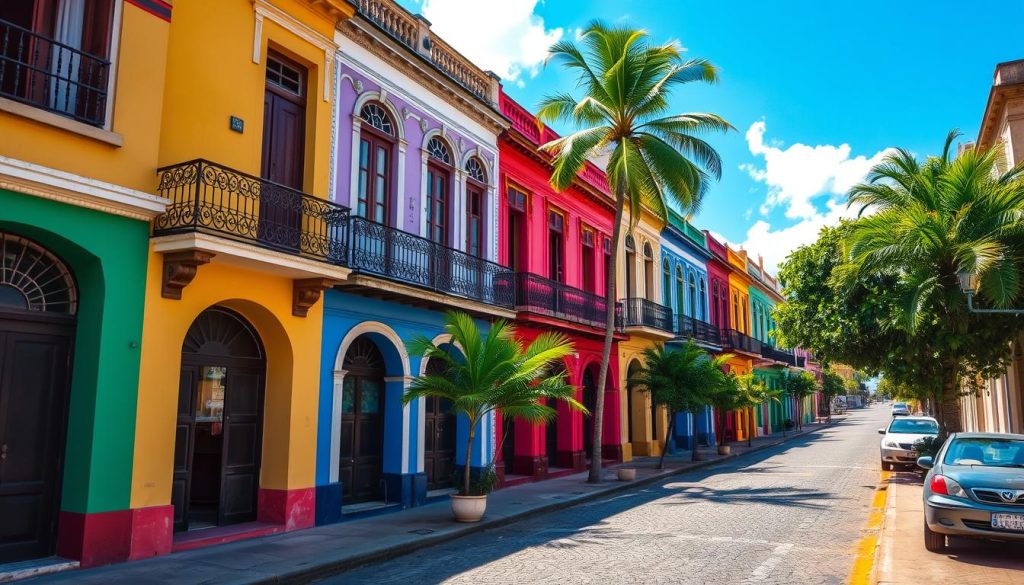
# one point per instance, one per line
(668, 437)
(606, 352)
(950, 406)
(469, 457)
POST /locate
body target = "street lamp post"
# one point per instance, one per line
(969, 285)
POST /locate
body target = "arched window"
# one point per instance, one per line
(439, 178)
(693, 296)
(666, 282)
(714, 304)
(630, 266)
(703, 300)
(476, 185)
(376, 144)
(736, 311)
(757, 321)
(648, 272)
(680, 291)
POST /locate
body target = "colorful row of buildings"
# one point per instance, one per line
(221, 222)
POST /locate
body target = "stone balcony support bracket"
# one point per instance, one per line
(179, 270)
(306, 292)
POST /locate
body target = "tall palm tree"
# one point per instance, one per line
(933, 220)
(655, 158)
(493, 372)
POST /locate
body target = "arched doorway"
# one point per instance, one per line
(38, 304)
(439, 435)
(362, 423)
(590, 402)
(218, 442)
(637, 413)
(551, 430)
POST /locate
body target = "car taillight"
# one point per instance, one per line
(939, 485)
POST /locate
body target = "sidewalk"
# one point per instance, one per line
(325, 550)
(903, 560)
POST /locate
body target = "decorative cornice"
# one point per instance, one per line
(265, 9)
(64, 187)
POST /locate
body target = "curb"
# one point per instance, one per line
(307, 574)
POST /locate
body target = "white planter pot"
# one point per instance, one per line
(724, 449)
(627, 474)
(468, 508)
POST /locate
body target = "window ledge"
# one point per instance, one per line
(61, 122)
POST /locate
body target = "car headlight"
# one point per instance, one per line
(891, 445)
(947, 486)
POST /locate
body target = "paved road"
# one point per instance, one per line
(788, 515)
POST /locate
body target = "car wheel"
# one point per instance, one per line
(886, 466)
(934, 541)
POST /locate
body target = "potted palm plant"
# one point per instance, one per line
(491, 372)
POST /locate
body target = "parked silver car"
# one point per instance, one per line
(900, 409)
(897, 444)
(974, 488)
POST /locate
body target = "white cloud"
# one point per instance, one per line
(799, 174)
(505, 37)
(775, 244)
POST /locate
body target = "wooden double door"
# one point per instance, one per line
(284, 136)
(361, 468)
(218, 440)
(439, 432)
(35, 357)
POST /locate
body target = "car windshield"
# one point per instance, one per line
(993, 452)
(899, 405)
(914, 427)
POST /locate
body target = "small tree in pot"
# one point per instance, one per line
(492, 372)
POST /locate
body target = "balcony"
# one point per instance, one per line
(639, 312)
(405, 258)
(737, 341)
(544, 296)
(778, 355)
(210, 198)
(43, 73)
(699, 331)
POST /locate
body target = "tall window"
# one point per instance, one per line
(714, 304)
(476, 184)
(666, 282)
(607, 245)
(376, 143)
(736, 312)
(680, 291)
(556, 247)
(630, 265)
(743, 307)
(587, 260)
(703, 300)
(723, 301)
(693, 295)
(648, 272)
(516, 224)
(438, 187)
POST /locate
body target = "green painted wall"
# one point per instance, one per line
(107, 255)
(774, 379)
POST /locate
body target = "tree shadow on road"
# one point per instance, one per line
(791, 497)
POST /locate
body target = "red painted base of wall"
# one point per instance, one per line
(152, 531)
(294, 509)
(94, 539)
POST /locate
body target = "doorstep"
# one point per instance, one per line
(35, 568)
(222, 534)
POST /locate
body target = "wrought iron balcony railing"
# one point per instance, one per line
(41, 72)
(548, 297)
(410, 259)
(208, 197)
(700, 331)
(779, 355)
(741, 342)
(640, 312)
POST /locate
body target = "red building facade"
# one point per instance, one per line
(556, 243)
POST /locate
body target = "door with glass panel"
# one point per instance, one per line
(362, 423)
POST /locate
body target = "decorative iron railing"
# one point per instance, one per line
(548, 297)
(779, 355)
(410, 259)
(41, 72)
(640, 312)
(741, 342)
(700, 331)
(208, 197)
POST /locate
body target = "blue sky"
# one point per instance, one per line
(816, 90)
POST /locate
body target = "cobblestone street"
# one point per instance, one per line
(790, 514)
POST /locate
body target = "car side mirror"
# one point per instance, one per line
(881, 431)
(925, 462)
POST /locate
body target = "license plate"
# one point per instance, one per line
(1008, 521)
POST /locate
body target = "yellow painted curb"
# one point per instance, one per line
(864, 561)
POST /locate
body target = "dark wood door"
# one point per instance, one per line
(183, 444)
(34, 380)
(362, 438)
(439, 434)
(284, 135)
(551, 439)
(590, 402)
(243, 426)
(508, 445)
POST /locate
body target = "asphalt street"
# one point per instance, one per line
(791, 514)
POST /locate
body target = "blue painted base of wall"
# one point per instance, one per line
(407, 489)
(328, 504)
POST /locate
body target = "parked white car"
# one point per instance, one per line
(897, 444)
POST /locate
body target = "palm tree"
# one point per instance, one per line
(655, 158)
(678, 379)
(725, 397)
(753, 393)
(493, 372)
(933, 220)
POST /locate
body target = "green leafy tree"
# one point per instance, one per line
(725, 396)
(831, 386)
(799, 386)
(655, 157)
(932, 220)
(753, 393)
(678, 379)
(493, 372)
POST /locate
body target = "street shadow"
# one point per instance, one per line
(986, 553)
(790, 497)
